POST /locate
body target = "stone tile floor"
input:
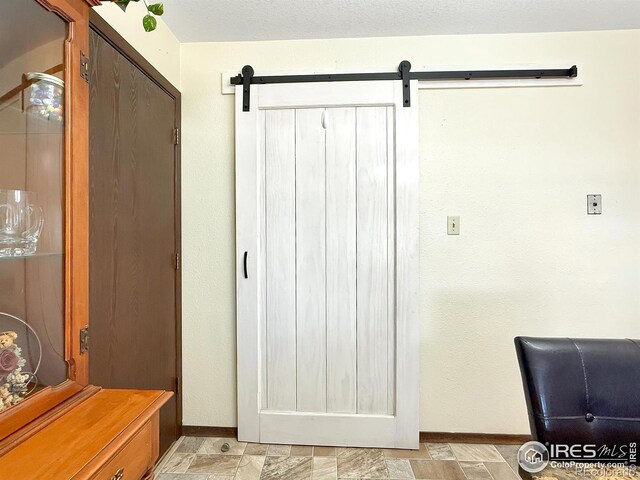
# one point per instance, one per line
(201, 458)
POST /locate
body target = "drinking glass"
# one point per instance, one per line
(21, 221)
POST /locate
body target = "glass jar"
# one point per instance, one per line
(46, 96)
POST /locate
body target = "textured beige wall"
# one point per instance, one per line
(160, 47)
(514, 163)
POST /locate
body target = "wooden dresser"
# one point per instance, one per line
(110, 435)
(54, 425)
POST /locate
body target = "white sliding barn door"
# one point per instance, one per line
(327, 213)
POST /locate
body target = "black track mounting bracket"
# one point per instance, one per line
(404, 69)
(404, 74)
(247, 76)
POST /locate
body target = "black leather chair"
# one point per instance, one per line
(581, 391)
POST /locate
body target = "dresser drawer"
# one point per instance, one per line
(132, 461)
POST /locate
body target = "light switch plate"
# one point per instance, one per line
(594, 204)
(453, 225)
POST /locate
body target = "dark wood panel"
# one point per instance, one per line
(199, 431)
(495, 438)
(133, 230)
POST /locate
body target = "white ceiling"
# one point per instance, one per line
(229, 20)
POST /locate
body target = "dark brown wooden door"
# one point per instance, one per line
(133, 231)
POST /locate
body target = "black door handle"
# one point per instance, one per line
(246, 274)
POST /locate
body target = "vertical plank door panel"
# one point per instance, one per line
(407, 269)
(372, 259)
(341, 259)
(250, 270)
(281, 259)
(310, 261)
(256, 235)
(391, 261)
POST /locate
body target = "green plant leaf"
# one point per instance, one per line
(123, 4)
(149, 23)
(156, 8)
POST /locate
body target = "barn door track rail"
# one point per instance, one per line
(404, 73)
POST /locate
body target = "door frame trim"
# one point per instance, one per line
(117, 41)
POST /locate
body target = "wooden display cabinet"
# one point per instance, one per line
(53, 424)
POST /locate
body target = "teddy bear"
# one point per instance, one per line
(7, 339)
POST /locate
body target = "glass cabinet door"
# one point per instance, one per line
(32, 203)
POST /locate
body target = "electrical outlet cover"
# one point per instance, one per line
(453, 225)
(594, 204)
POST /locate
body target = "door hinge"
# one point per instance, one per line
(84, 340)
(176, 261)
(176, 136)
(84, 67)
(177, 387)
